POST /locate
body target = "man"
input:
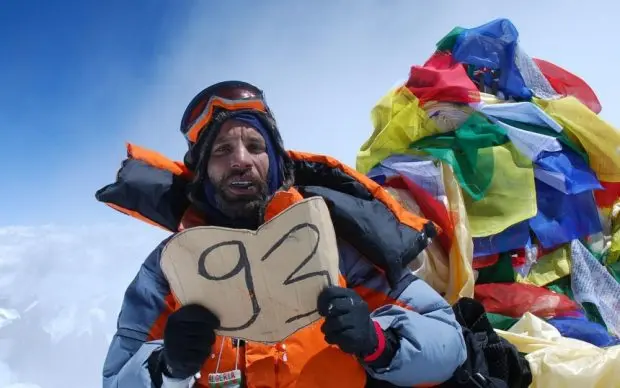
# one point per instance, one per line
(380, 324)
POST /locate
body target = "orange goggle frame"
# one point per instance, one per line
(218, 102)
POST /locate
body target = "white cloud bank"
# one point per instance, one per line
(60, 291)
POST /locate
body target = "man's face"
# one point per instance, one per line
(237, 168)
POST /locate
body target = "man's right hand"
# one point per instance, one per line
(188, 338)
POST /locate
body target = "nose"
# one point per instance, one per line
(241, 157)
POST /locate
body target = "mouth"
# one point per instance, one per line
(242, 187)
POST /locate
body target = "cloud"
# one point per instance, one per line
(321, 76)
(60, 292)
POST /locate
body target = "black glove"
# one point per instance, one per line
(347, 321)
(188, 338)
(348, 325)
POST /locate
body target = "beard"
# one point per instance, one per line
(241, 207)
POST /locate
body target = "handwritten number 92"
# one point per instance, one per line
(243, 264)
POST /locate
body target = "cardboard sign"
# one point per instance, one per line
(263, 285)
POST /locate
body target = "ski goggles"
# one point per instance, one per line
(228, 95)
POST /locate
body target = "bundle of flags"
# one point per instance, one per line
(507, 155)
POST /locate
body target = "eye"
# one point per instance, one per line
(256, 147)
(221, 149)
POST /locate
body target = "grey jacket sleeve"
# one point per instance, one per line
(431, 343)
(126, 363)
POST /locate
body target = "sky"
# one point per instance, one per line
(79, 79)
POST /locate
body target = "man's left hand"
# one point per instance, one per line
(347, 321)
